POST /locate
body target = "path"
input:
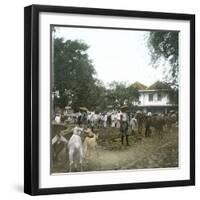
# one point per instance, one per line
(150, 152)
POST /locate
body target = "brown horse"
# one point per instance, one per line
(157, 122)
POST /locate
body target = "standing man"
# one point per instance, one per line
(124, 127)
(113, 120)
(92, 120)
(133, 124)
(105, 118)
(118, 119)
(79, 116)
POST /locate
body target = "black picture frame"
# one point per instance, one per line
(31, 98)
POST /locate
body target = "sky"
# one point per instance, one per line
(117, 55)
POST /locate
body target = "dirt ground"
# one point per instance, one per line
(151, 152)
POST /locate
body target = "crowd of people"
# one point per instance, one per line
(138, 124)
(126, 122)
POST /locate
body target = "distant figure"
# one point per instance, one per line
(92, 120)
(109, 119)
(133, 124)
(83, 118)
(148, 124)
(140, 120)
(118, 119)
(105, 118)
(149, 114)
(98, 120)
(58, 119)
(79, 118)
(113, 120)
(101, 120)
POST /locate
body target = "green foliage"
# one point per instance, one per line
(74, 78)
(164, 44)
(119, 94)
(73, 73)
(173, 93)
(173, 96)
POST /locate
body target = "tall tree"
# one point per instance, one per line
(73, 73)
(119, 93)
(164, 44)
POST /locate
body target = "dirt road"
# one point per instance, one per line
(152, 152)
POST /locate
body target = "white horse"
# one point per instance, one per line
(75, 147)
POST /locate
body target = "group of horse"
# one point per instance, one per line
(78, 150)
(83, 142)
(144, 121)
(160, 122)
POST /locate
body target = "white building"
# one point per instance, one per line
(154, 98)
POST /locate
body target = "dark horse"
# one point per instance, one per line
(157, 122)
(171, 121)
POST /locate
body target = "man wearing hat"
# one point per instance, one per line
(124, 127)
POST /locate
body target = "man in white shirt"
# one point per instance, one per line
(118, 119)
(105, 120)
(133, 124)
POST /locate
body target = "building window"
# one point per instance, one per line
(150, 97)
(159, 96)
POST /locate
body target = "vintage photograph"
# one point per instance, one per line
(114, 99)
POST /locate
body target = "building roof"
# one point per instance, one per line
(158, 85)
(139, 86)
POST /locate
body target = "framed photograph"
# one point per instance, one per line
(109, 99)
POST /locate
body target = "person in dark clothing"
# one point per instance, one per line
(124, 128)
